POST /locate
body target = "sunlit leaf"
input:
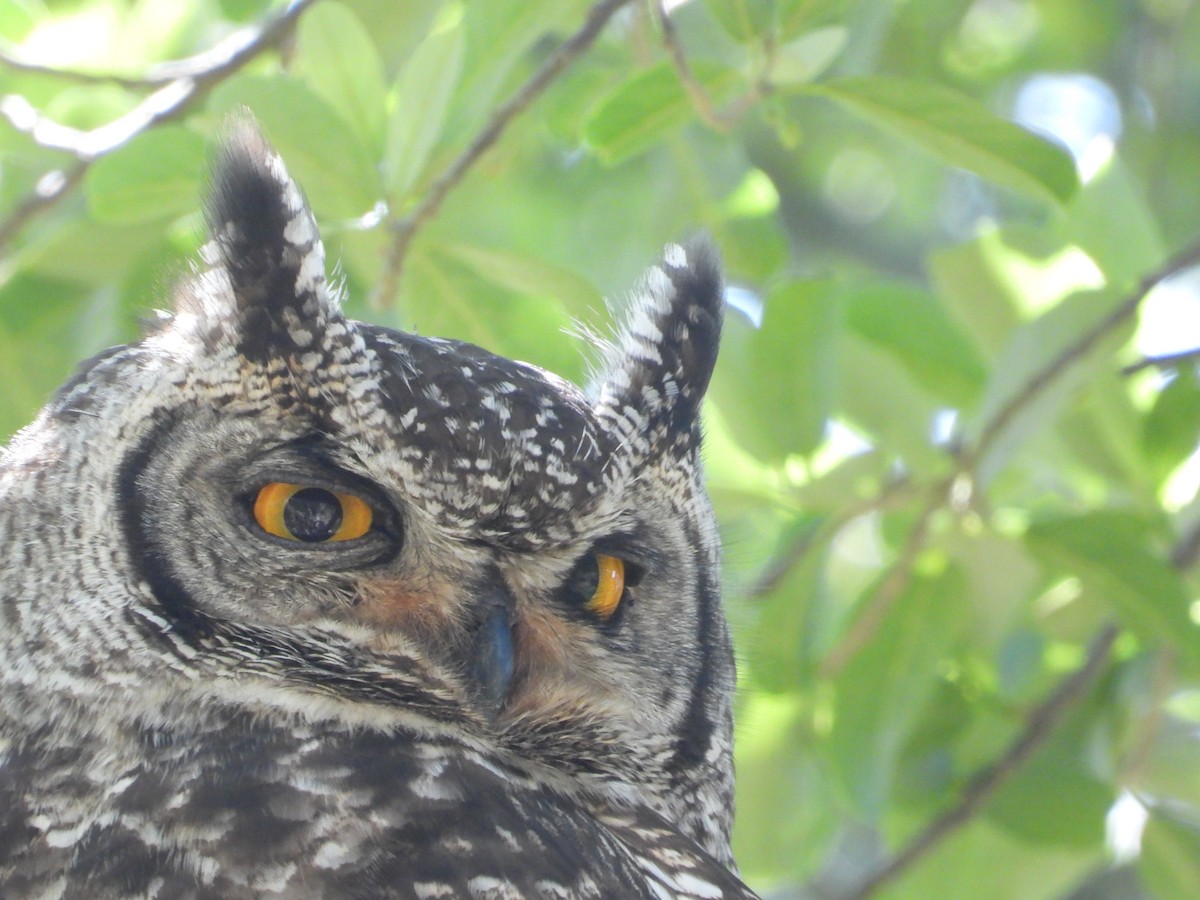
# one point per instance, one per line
(976, 291)
(1171, 431)
(1054, 799)
(797, 620)
(1170, 858)
(337, 59)
(787, 366)
(1038, 373)
(795, 785)
(743, 20)
(155, 175)
(984, 862)
(645, 107)
(1111, 552)
(529, 276)
(1126, 253)
(877, 395)
(960, 132)
(420, 99)
(794, 16)
(909, 324)
(498, 33)
(442, 296)
(881, 691)
(806, 57)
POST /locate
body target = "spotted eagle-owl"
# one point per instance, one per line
(298, 606)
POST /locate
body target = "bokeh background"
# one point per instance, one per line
(952, 436)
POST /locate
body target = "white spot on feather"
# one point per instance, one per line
(675, 256)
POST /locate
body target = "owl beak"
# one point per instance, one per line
(493, 660)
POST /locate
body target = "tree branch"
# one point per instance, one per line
(189, 81)
(406, 228)
(1042, 722)
(1046, 717)
(1087, 342)
(867, 624)
(12, 60)
(895, 491)
(701, 101)
(1166, 361)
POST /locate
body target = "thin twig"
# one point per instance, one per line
(1087, 342)
(867, 624)
(11, 60)
(1166, 361)
(1186, 550)
(173, 99)
(196, 66)
(777, 569)
(404, 229)
(705, 108)
(1042, 722)
(50, 189)
(1045, 718)
(1163, 685)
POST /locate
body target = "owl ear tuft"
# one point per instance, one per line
(264, 264)
(662, 360)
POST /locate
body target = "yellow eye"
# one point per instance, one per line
(312, 515)
(610, 585)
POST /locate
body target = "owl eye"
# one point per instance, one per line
(609, 585)
(312, 515)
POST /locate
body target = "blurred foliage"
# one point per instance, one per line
(933, 492)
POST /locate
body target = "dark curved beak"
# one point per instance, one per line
(493, 660)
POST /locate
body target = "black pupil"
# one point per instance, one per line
(313, 515)
(585, 579)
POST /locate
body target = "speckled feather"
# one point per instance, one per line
(191, 707)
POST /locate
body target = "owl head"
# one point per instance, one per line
(306, 516)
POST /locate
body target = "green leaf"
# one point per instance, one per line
(976, 292)
(1102, 431)
(800, 811)
(397, 28)
(796, 621)
(337, 59)
(1001, 577)
(802, 60)
(910, 325)
(960, 132)
(529, 276)
(787, 366)
(645, 107)
(1019, 400)
(156, 175)
(1170, 859)
(795, 16)
(337, 174)
(877, 395)
(1054, 799)
(498, 35)
(420, 99)
(1126, 253)
(983, 862)
(882, 691)
(1110, 552)
(753, 249)
(1171, 430)
(743, 20)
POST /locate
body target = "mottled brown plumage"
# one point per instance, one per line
(202, 694)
